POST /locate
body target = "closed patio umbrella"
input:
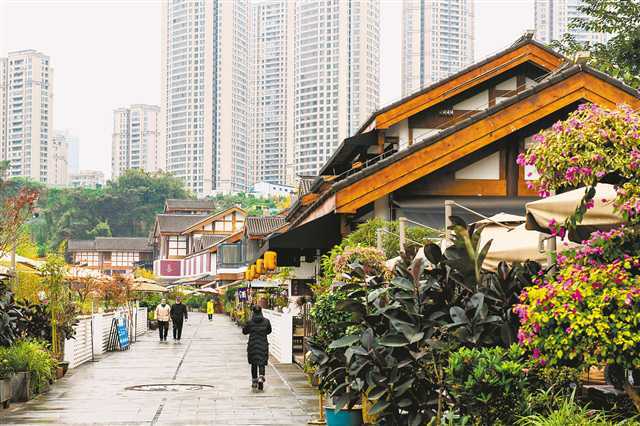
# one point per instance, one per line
(147, 285)
(558, 207)
(514, 245)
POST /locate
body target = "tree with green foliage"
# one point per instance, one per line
(620, 55)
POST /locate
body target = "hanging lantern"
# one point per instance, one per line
(270, 260)
(252, 272)
(260, 266)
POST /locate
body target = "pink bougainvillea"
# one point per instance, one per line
(592, 144)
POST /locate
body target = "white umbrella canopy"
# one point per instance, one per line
(559, 207)
(514, 245)
(147, 285)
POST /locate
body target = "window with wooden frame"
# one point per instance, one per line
(124, 258)
(177, 245)
(90, 258)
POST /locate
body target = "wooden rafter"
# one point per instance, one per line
(480, 134)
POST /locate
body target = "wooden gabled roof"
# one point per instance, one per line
(562, 89)
(525, 49)
(214, 217)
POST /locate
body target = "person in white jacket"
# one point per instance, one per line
(163, 315)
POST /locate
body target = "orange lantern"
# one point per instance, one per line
(260, 266)
(252, 272)
(270, 260)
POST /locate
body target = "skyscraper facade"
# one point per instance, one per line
(27, 114)
(205, 94)
(73, 142)
(437, 41)
(337, 48)
(135, 139)
(272, 91)
(552, 19)
(59, 160)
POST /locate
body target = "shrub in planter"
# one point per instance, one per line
(33, 357)
(330, 322)
(586, 314)
(488, 383)
(402, 329)
(5, 381)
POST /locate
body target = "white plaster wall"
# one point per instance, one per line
(487, 168)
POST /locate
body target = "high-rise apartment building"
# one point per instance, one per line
(552, 19)
(59, 160)
(27, 114)
(437, 41)
(337, 57)
(205, 93)
(135, 140)
(73, 144)
(87, 179)
(272, 91)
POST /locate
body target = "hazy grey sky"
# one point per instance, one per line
(106, 54)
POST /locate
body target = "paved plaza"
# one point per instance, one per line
(204, 379)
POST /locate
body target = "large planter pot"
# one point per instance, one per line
(65, 366)
(343, 417)
(5, 392)
(21, 386)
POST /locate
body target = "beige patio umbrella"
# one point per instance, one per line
(558, 207)
(147, 285)
(515, 245)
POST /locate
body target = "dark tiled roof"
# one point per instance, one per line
(111, 244)
(206, 241)
(552, 79)
(76, 245)
(176, 223)
(265, 225)
(305, 184)
(175, 204)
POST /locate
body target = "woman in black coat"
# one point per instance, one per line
(258, 347)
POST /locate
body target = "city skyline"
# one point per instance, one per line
(137, 79)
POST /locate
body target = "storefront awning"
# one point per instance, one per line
(305, 240)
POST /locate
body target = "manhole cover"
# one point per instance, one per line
(169, 387)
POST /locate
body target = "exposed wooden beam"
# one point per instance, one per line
(527, 53)
(480, 134)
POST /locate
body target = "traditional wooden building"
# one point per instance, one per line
(455, 140)
(111, 255)
(186, 245)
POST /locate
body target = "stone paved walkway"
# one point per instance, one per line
(210, 353)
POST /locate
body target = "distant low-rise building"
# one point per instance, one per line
(87, 179)
(111, 255)
(268, 189)
(193, 247)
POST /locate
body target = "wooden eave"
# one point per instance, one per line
(574, 85)
(213, 218)
(529, 52)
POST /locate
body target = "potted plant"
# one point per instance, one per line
(5, 381)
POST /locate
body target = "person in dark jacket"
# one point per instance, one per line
(178, 314)
(258, 347)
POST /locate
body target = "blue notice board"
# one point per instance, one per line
(123, 335)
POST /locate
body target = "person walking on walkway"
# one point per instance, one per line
(178, 314)
(162, 315)
(210, 309)
(258, 347)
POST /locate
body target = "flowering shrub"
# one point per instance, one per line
(593, 145)
(371, 259)
(585, 315)
(589, 312)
